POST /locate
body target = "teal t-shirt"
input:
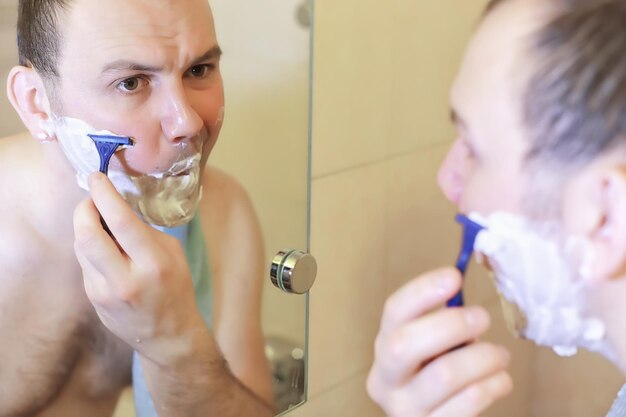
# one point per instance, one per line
(619, 406)
(192, 239)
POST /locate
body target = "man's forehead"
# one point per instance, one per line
(128, 14)
(499, 59)
(131, 29)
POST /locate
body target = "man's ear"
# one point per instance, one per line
(602, 214)
(27, 93)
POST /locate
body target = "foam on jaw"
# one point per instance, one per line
(168, 198)
(542, 283)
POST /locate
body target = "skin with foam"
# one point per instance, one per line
(542, 283)
(168, 198)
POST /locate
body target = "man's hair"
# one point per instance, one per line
(38, 35)
(575, 101)
(575, 106)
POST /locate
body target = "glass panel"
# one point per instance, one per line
(265, 144)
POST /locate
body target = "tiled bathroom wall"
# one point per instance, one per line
(9, 121)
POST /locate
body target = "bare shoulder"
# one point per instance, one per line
(229, 221)
(222, 193)
(21, 246)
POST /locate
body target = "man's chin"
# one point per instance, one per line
(169, 212)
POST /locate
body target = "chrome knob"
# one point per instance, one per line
(304, 14)
(293, 271)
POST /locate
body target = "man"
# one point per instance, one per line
(540, 161)
(75, 301)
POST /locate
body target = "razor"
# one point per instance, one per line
(470, 231)
(107, 145)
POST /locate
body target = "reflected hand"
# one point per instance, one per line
(417, 371)
(139, 284)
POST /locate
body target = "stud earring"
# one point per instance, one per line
(44, 137)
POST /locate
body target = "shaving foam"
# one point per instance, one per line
(540, 278)
(168, 199)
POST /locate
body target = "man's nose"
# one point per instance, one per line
(451, 175)
(180, 120)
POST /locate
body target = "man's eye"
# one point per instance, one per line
(130, 85)
(201, 71)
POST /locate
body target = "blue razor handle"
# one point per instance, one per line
(470, 231)
(107, 145)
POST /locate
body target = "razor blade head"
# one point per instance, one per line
(119, 140)
(107, 145)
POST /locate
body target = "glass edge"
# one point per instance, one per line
(309, 186)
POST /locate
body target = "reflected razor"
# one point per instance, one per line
(107, 145)
(470, 231)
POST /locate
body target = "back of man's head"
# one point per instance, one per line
(39, 36)
(575, 101)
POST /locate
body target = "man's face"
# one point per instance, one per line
(148, 69)
(484, 170)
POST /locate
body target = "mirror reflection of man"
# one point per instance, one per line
(540, 158)
(74, 302)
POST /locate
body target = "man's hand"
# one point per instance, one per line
(141, 287)
(418, 371)
(139, 282)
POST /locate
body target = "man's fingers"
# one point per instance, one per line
(476, 398)
(132, 234)
(402, 352)
(93, 245)
(420, 296)
(456, 371)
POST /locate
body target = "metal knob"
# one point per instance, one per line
(304, 14)
(293, 271)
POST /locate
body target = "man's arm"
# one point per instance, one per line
(141, 288)
(201, 384)
(237, 254)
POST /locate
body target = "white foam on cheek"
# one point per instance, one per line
(167, 198)
(79, 149)
(541, 281)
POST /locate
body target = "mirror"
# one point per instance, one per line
(264, 143)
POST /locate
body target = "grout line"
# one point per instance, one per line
(379, 161)
(337, 384)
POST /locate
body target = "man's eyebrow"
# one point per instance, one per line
(125, 65)
(213, 53)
